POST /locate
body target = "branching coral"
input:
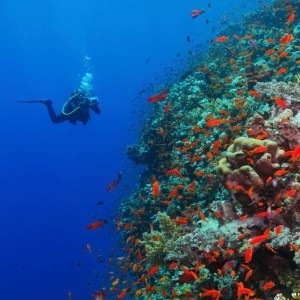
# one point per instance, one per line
(290, 278)
(159, 243)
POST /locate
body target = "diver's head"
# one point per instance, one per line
(93, 100)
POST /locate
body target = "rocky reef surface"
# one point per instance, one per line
(216, 214)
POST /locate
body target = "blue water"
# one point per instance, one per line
(53, 175)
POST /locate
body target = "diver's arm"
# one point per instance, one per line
(94, 102)
(96, 109)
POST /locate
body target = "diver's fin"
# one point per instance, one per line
(34, 101)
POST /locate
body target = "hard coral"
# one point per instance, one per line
(282, 127)
(242, 171)
(283, 123)
(289, 91)
(290, 278)
(159, 243)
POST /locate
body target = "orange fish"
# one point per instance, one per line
(115, 282)
(291, 193)
(270, 51)
(159, 97)
(248, 37)
(218, 214)
(199, 173)
(280, 172)
(164, 293)
(268, 285)
(248, 255)
(269, 179)
(153, 270)
(287, 38)
(291, 18)
(248, 274)
(280, 102)
(242, 236)
(139, 255)
(271, 41)
(268, 246)
(215, 294)
(214, 122)
(220, 242)
(216, 146)
(258, 239)
(174, 172)
(202, 216)
(99, 295)
(209, 155)
(250, 191)
(261, 215)
(244, 291)
(88, 246)
(180, 221)
(166, 202)
(173, 193)
(196, 12)
(173, 266)
(209, 256)
(254, 93)
(167, 108)
(191, 187)
(123, 294)
(163, 279)
(229, 252)
(247, 268)
(294, 247)
(278, 229)
(96, 224)
(281, 71)
(155, 189)
(295, 153)
(222, 39)
(243, 218)
(258, 150)
(115, 183)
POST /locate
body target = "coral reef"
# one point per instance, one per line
(217, 210)
(159, 243)
(290, 279)
(283, 123)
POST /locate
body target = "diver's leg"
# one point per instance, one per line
(52, 114)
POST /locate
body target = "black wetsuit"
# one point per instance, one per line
(81, 106)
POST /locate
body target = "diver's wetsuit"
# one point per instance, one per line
(80, 101)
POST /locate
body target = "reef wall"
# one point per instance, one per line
(217, 210)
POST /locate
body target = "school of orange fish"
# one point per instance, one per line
(217, 211)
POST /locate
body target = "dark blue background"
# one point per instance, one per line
(53, 175)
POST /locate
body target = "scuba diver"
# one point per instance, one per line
(76, 108)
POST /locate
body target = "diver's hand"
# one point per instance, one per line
(93, 100)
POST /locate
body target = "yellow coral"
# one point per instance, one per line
(297, 78)
(290, 278)
(159, 243)
(296, 296)
(280, 297)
